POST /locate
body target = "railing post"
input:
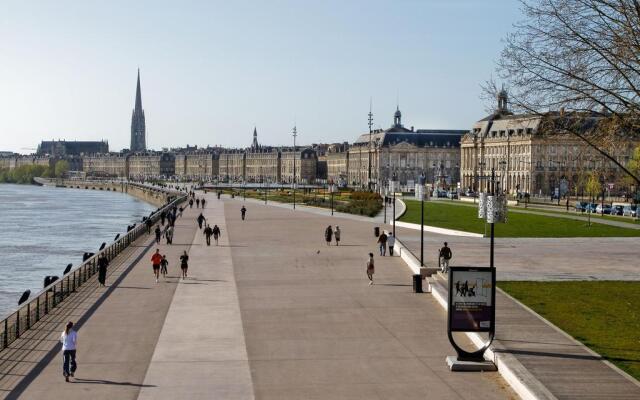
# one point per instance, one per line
(17, 324)
(74, 282)
(37, 308)
(5, 341)
(28, 315)
(53, 303)
(46, 302)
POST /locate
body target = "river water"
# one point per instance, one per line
(42, 229)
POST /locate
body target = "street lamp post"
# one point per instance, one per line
(295, 134)
(385, 206)
(331, 190)
(421, 183)
(394, 177)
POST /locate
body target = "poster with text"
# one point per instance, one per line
(471, 305)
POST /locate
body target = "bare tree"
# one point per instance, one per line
(582, 56)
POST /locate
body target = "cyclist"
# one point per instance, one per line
(445, 256)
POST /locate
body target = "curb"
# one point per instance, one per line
(434, 229)
(512, 371)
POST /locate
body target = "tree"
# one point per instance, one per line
(61, 168)
(593, 189)
(582, 56)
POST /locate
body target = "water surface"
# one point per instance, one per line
(42, 229)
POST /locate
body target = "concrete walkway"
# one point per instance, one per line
(118, 327)
(274, 313)
(554, 364)
(201, 348)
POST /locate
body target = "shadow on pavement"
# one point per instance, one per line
(106, 382)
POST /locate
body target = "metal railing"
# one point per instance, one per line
(51, 296)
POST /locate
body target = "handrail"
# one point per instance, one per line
(29, 313)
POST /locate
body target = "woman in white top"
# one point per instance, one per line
(69, 339)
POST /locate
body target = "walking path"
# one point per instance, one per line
(201, 351)
(118, 327)
(275, 313)
(554, 364)
(272, 313)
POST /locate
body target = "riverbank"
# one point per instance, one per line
(152, 195)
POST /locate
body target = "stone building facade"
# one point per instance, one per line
(151, 165)
(374, 158)
(232, 166)
(106, 165)
(262, 165)
(305, 167)
(535, 154)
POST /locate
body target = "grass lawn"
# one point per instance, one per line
(604, 315)
(452, 216)
(594, 217)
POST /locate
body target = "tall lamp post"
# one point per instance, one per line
(295, 134)
(369, 150)
(331, 190)
(421, 182)
(394, 178)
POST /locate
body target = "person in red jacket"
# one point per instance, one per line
(156, 260)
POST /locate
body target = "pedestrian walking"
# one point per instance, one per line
(370, 269)
(202, 202)
(197, 203)
(216, 233)
(163, 216)
(102, 269)
(207, 234)
(163, 266)
(391, 241)
(336, 233)
(69, 339)
(382, 241)
(168, 234)
(158, 234)
(328, 235)
(190, 203)
(200, 220)
(156, 260)
(243, 211)
(148, 224)
(180, 212)
(184, 264)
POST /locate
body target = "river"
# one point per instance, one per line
(42, 229)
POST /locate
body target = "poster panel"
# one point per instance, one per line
(471, 306)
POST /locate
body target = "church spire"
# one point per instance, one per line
(138, 125)
(254, 144)
(138, 95)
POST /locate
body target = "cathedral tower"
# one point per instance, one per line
(138, 127)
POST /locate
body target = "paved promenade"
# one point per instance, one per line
(271, 313)
(554, 362)
(549, 259)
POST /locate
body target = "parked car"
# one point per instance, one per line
(581, 206)
(617, 210)
(630, 211)
(591, 207)
(606, 209)
(452, 195)
(470, 193)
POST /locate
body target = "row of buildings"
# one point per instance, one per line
(530, 154)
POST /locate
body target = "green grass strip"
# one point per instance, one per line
(464, 218)
(604, 315)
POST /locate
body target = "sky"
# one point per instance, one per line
(212, 70)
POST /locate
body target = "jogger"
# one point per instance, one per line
(69, 339)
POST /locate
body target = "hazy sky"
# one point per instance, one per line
(212, 70)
